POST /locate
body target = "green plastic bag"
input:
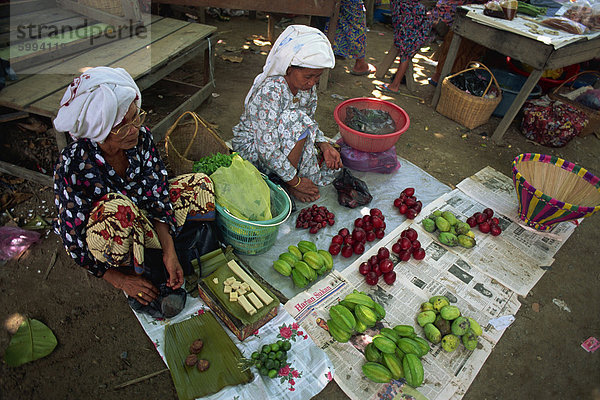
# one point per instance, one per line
(242, 190)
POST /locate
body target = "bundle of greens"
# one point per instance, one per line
(210, 164)
(530, 9)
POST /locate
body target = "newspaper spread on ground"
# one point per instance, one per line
(495, 256)
(483, 282)
(446, 375)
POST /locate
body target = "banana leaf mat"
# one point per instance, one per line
(218, 349)
(232, 307)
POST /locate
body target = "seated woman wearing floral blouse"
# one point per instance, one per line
(277, 131)
(111, 188)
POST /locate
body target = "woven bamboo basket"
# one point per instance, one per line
(593, 124)
(187, 142)
(114, 7)
(551, 190)
(466, 109)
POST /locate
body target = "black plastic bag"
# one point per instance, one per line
(352, 192)
(474, 81)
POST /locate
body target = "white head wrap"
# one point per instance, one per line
(95, 102)
(298, 45)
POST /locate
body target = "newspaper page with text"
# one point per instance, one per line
(484, 282)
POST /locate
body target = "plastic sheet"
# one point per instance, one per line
(384, 188)
(384, 162)
(14, 241)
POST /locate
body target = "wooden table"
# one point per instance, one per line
(170, 44)
(537, 54)
(320, 8)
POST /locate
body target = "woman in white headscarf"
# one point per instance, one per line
(111, 189)
(277, 131)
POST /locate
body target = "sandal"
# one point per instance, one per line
(385, 89)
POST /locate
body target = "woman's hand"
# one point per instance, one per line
(134, 285)
(174, 269)
(169, 255)
(331, 156)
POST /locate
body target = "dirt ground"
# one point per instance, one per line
(102, 345)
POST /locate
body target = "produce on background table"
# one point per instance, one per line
(530, 9)
(270, 359)
(408, 245)
(443, 323)
(304, 263)
(366, 229)
(485, 222)
(314, 218)
(407, 204)
(451, 231)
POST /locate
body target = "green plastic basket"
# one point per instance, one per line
(255, 237)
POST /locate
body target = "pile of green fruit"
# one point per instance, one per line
(443, 323)
(270, 359)
(304, 263)
(393, 353)
(452, 232)
(396, 353)
(355, 313)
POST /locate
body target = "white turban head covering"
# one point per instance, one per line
(298, 45)
(95, 102)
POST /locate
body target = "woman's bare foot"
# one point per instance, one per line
(306, 191)
(361, 67)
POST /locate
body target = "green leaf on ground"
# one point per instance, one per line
(32, 341)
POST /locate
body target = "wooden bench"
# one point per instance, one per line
(169, 44)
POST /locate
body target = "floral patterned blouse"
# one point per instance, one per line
(82, 177)
(273, 121)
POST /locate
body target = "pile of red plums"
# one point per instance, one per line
(314, 218)
(366, 229)
(407, 204)
(378, 265)
(485, 222)
(408, 245)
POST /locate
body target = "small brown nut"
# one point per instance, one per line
(191, 360)
(203, 365)
(196, 346)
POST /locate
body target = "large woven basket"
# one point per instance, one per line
(466, 109)
(187, 142)
(114, 7)
(551, 190)
(593, 124)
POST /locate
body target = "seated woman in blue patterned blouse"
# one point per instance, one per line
(277, 131)
(111, 188)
